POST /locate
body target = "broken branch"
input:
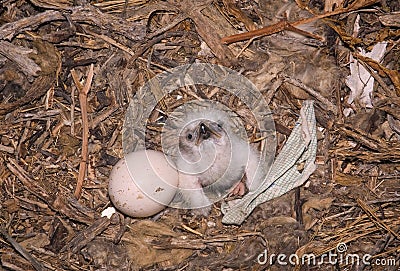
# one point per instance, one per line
(83, 91)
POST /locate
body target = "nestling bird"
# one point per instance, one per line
(211, 154)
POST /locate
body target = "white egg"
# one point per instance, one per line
(142, 183)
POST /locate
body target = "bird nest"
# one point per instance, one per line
(72, 71)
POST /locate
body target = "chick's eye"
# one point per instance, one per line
(189, 136)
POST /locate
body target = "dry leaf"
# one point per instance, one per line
(317, 204)
(141, 240)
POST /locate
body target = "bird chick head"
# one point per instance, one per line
(197, 133)
(200, 131)
(202, 144)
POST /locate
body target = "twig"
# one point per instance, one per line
(189, 229)
(285, 25)
(392, 155)
(144, 47)
(329, 105)
(29, 184)
(112, 42)
(179, 18)
(10, 30)
(72, 114)
(66, 206)
(389, 200)
(213, 241)
(87, 13)
(22, 139)
(96, 121)
(8, 149)
(83, 91)
(363, 138)
(84, 237)
(38, 266)
(371, 213)
(124, 222)
(268, 30)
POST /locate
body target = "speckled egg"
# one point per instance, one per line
(143, 183)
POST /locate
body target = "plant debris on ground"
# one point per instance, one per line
(69, 68)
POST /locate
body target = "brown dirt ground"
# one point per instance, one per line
(351, 200)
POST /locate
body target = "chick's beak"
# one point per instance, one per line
(205, 131)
